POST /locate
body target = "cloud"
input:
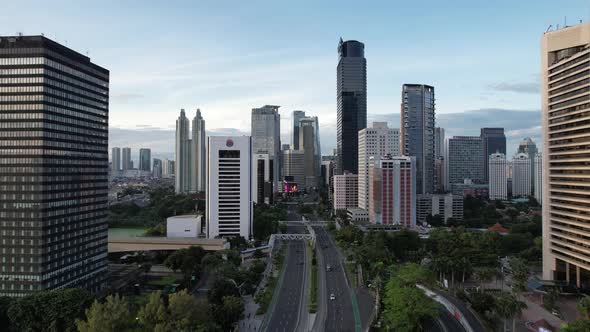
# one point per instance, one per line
(126, 97)
(517, 87)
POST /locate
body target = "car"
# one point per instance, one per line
(332, 297)
(328, 268)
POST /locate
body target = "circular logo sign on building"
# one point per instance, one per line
(229, 143)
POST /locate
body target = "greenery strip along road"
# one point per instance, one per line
(313, 291)
(275, 295)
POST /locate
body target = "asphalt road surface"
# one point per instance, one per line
(340, 315)
(286, 312)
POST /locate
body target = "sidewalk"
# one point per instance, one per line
(251, 322)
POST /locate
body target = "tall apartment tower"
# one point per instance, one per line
(229, 186)
(116, 161)
(564, 107)
(53, 210)
(182, 165)
(392, 187)
(345, 191)
(521, 175)
(498, 176)
(145, 159)
(198, 158)
(538, 183)
(351, 101)
(465, 159)
(307, 144)
(266, 136)
(493, 140)
(529, 147)
(126, 164)
(417, 132)
(377, 141)
(295, 117)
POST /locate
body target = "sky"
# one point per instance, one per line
(227, 57)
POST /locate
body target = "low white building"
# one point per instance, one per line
(184, 226)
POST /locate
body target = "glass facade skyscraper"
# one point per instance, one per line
(351, 101)
(417, 132)
(145, 159)
(493, 140)
(53, 167)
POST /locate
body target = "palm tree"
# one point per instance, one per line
(509, 307)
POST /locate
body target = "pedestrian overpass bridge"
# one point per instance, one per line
(128, 244)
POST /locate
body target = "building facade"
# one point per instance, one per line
(417, 132)
(444, 205)
(521, 175)
(294, 165)
(168, 168)
(377, 141)
(53, 167)
(126, 162)
(262, 179)
(538, 185)
(145, 159)
(266, 136)
(308, 144)
(529, 147)
(198, 156)
(157, 168)
(498, 176)
(439, 160)
(465, 159)
(351, 103)
(345, 191)
(392, 191)
(295, 117)
(190, 152)
(229, 186)
(116, 161)
(493, 140)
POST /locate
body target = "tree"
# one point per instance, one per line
(49, 310)
(484, 275)
(110, 316)
(154, 313)
(5, 303)
(229, 312)
(584, 306)
(406, 308)
(221, 288)
(520, 274)
(509, 307)
(577, 326)
(185, 313)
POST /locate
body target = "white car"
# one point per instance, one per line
(332, 297)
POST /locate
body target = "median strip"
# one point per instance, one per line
(313, 292)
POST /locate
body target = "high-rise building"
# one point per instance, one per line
(439, 160)
(498, 176)
(351, 101)
(493, 140)
(294, 166)
(530, 148)
(417, 132)
(262, 173)
(392, 191)
(377, 141)
(538, 185)
(308, 144)
(145, 159)
(295, 117)
(444, 205)
(53, 167)
(198, 157)
(127, 163)
(116, 161)
(521, 175)
(182, 173)
(229, 186)
(266, 136)
(439, 142)
(566, 225)
(465, 159)
(157, 168)
(345, 191)
(167, 168)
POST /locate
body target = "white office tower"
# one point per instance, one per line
(498, 176)
(266, 137)
(229, 186)
(198, 165)
(377, 141)
(521, 175)
(538, 170)
(116, 161)
(167, 168)
(183, 156)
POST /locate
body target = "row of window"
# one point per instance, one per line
(45, 108)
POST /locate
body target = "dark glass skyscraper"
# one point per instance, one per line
(351, 99)
(417, 132)
(145, 159)
(53, 167)
(493, 140)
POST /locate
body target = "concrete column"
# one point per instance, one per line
(567, 272)
(578, 276)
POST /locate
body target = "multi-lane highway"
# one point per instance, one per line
(340, 315)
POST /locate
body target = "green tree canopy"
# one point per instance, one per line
(111, 316)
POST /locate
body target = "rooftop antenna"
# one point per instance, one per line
(549, 27)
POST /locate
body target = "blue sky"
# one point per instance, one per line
(227, 57)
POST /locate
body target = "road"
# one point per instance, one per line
(340, 314)
(291, 304)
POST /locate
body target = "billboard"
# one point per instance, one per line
(290, 187)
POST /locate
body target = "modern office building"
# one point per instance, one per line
(377, 141)
(443, 205)
(295, 117)
(493, 140)
(538, 183)
(351, 103)
(54, 164)
(307, 144)
(167, 168)
(529, 147)
(157, 168)
(392, 191)
(465, 159)
(116, 161)
(145, 160)
(266, 136)
(262, 179)
(417, 132)
(198, 156)
(229, 186)
(327, 173)
(126, 163)
(439, 160)
(345, 191)
(294, 166)
(521, 175)
(565, 59)
(498, 176)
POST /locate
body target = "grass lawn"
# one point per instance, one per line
(167, 280)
